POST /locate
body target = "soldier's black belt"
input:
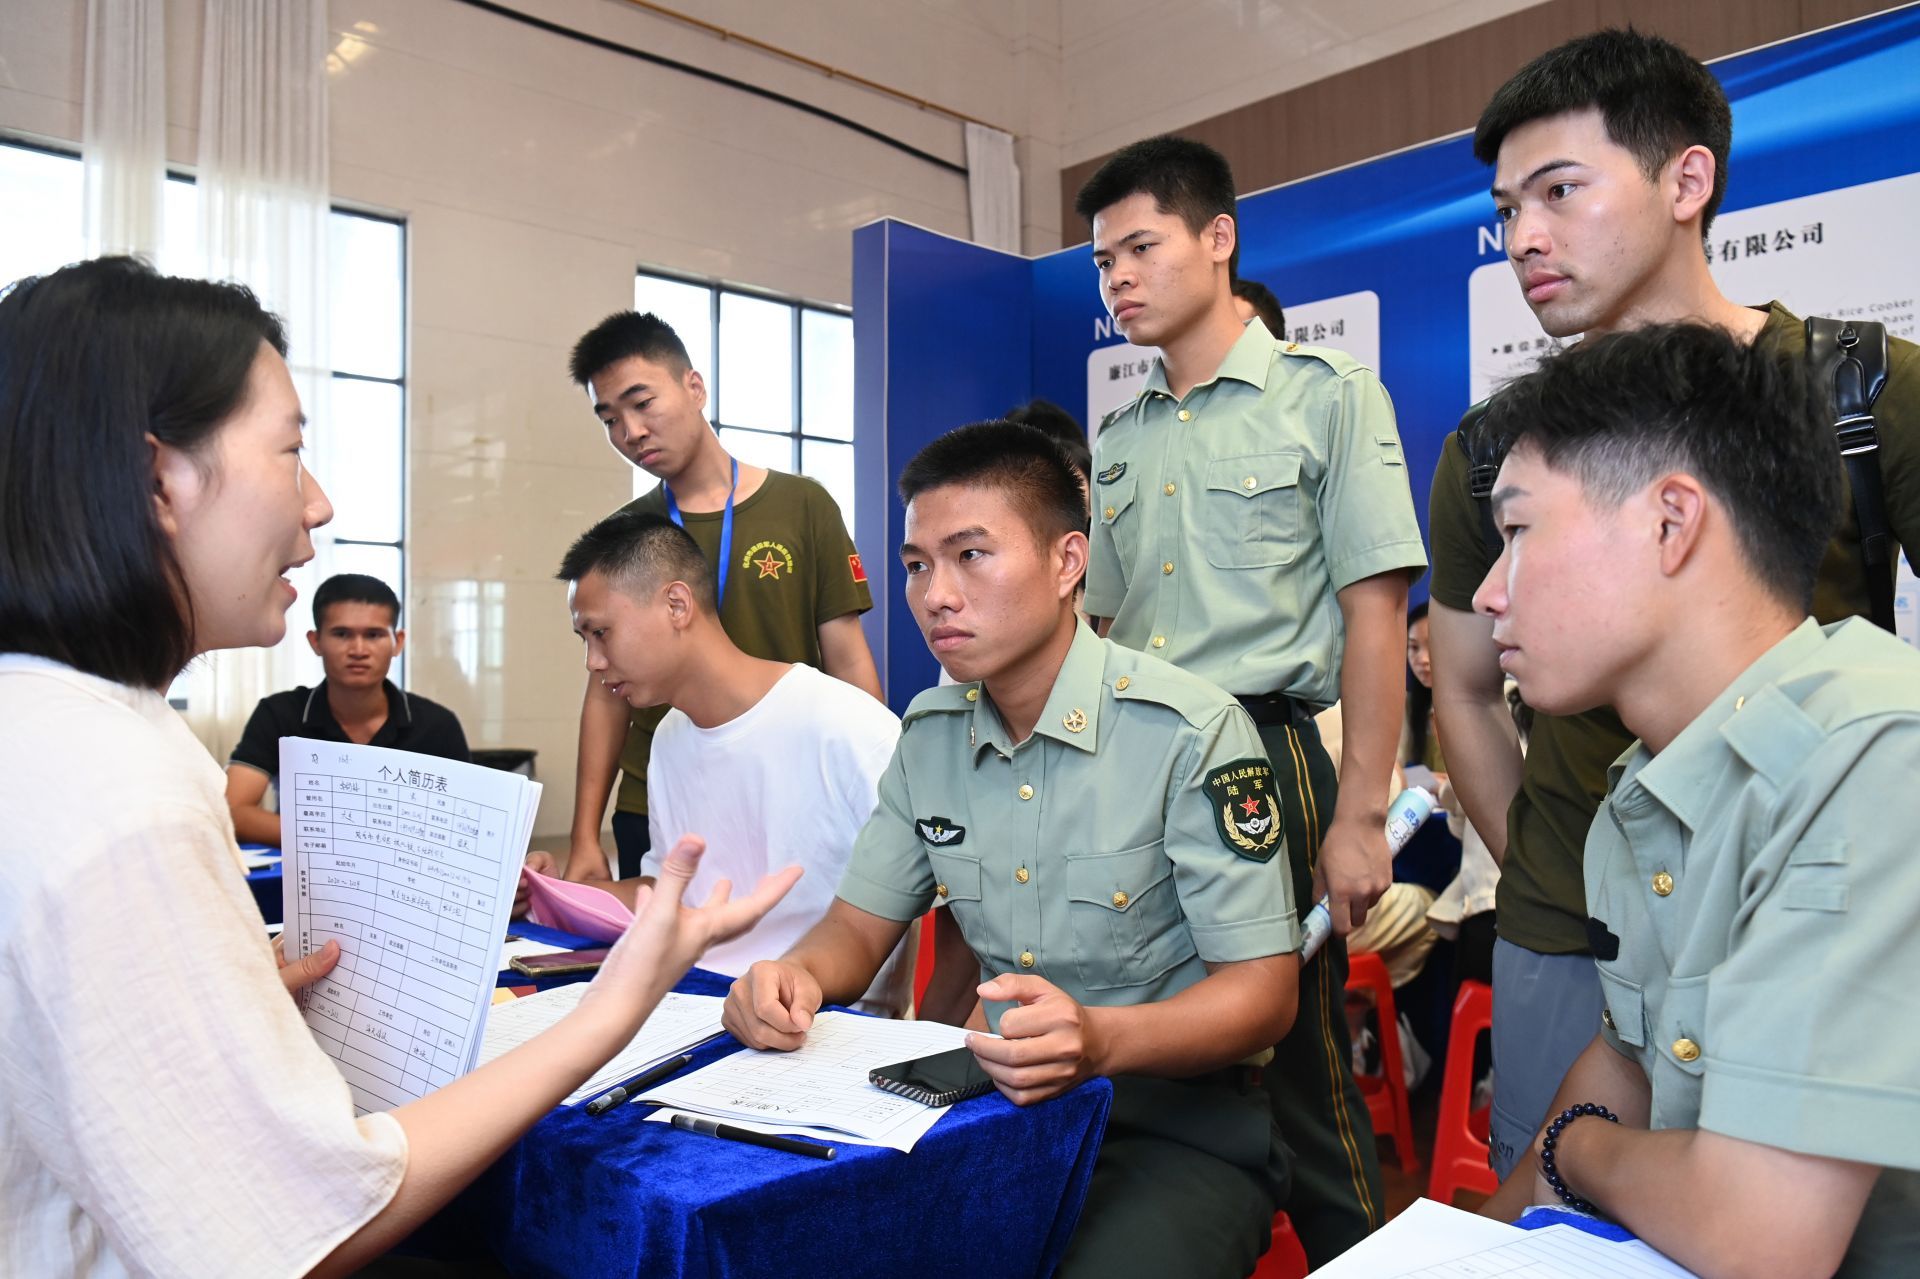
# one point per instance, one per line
(1275, 708)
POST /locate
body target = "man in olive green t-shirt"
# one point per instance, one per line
(1603, 237)
(1746, 1100)
(792, 587)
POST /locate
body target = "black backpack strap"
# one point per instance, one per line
(1484, 456)
(1848, 363)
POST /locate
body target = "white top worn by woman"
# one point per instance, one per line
(166, 1110)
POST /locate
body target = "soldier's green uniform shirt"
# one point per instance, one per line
(1225, 522)
(1541, 905)
(1106, 852)
(794, 568)
(1760, 877)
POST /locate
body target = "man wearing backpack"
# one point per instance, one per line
(1609, 157)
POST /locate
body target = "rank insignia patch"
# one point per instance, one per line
(940, 832)
(1246, 811)
(1112, 473)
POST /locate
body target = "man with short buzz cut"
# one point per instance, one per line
(1253, 299)
(1252, 524)
(1664, 505)
(356, 632)
(1102, 827)
(772, 764)
(1610, 159)
(790, 583)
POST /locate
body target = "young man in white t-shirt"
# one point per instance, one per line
(772, 763)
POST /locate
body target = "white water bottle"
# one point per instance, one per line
(1408, 812)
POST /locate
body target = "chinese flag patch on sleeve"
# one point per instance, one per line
(859, 573)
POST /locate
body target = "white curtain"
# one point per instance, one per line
(123, 147)
(264, 223)
(993, 188)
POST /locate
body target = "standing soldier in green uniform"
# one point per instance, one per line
(1664, 505)
(1253, 525)
(1103, 828)
(1610, 159)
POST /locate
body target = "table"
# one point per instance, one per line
(990, 1190)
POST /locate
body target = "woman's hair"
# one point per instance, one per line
(95, 358)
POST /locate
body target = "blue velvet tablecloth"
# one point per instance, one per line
(992, 1189)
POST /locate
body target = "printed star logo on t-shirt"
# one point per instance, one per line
(769, 566)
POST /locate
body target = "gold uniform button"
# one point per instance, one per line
(1662, 883)
(1120, 685)
(1119, 901)
(1108, 512)
(1606, 1018)
(1026, 959)
(1170, 490)
(939, 890)
(1026, 792)
(1686, 1050)
(1738, 702)
(973, 694)
(1020, 876)
(1248, 483)
(1167, 567)
(1159, 641)
(1186, 415)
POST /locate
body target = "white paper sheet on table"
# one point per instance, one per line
(258, 861)
(820, 1089)
(525, 948)
(1433, 1241)
(409, 862)
(678, 1024)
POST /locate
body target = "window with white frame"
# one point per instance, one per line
(41, 230)
(779, 377)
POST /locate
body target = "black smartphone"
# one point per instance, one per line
(560, 963)
(939, 1080)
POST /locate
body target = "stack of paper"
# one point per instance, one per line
(680, 1022)
(409, 862)
(1433, 1241)
(821, 1088)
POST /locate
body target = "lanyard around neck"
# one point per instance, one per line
(726, 526)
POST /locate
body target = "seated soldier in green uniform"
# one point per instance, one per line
(1103, 827)
(1750, 877)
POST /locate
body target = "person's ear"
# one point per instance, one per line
(1682, 508)
(399, 641)
(678, 598)
(1221, 236)
(313, 642)
(1070, 552)
(1692, 174)
(177, 482)
(696, 388)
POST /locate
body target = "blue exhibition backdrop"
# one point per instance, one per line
(947, 332)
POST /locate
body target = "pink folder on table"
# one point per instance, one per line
(575, 908)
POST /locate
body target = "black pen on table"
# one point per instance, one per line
(633, 1087)
(714, 1128)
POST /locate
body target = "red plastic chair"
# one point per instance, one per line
(1460, 1139)
(1286, 1259)
(1386, 1093)
(923, 961)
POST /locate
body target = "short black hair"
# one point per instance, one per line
(1264, 304)
(1620, 410)
(94, 358)
(638, 551)
(353, 588)
(1186, 178)
(1060, 426)
(623, 335)
(1020, 461)
(1656, 98)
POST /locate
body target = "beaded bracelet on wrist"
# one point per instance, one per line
(1552, 1140)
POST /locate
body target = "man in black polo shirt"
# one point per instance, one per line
(357, 635)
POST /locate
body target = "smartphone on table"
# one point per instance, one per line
(937, 1080)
